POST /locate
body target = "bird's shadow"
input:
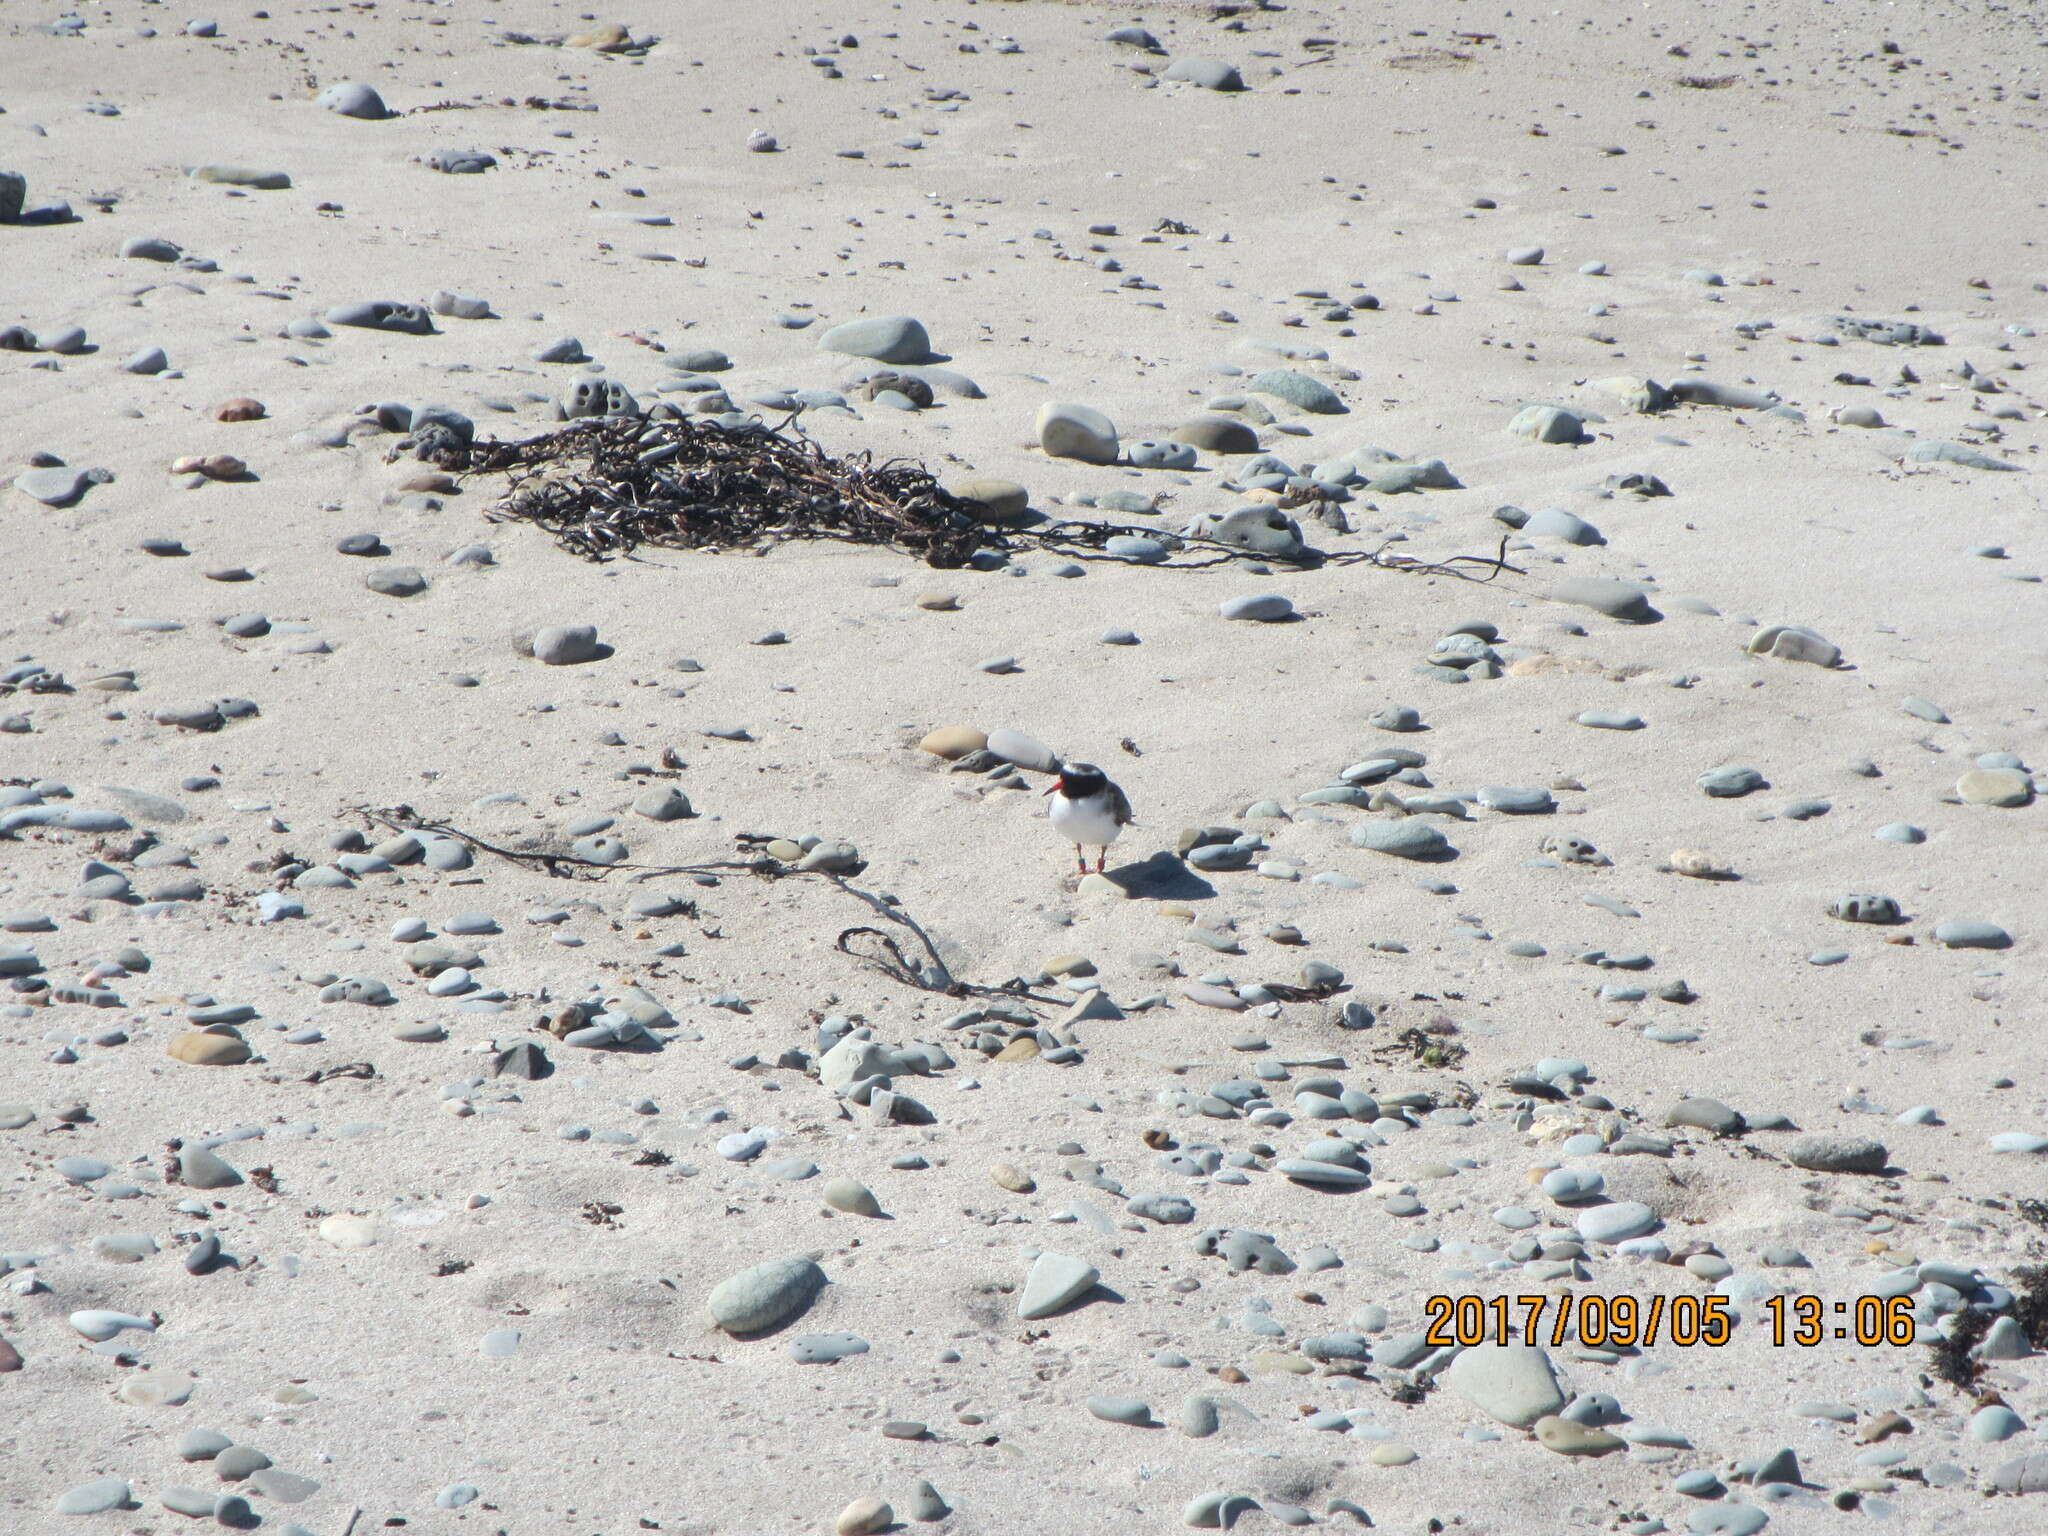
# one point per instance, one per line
(1162, 877)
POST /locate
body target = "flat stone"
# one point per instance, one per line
(824, 1348)
(1518, 800)
(396, 581)
(1731, 782)
(1838, 1154)
(1617, 599)
(1025, 751)
(1298, 390)
(1056, 1280)
(1567, 1437)
(1259, 607)
(1407, 838)
(1209, 74)
(1610, 720)
(1617, 1223)
(2006, 787)
(1513, 1383)
(203, 1048)
(1121, 1410)
(58, 487)
(1971, 933)
(95, 1498)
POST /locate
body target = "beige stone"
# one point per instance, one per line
(202, 1048)
(865, 1514)
(953, 741)
(1995, 786)
(1009, 1176)
(1567, 1437)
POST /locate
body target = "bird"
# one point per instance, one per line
(1088, 808)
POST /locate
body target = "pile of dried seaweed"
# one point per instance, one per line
(610, 485)
(607, 486)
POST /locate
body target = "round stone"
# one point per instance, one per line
(203, 1048)
(953, 741)
(1618, 1222)
(1071, 431)
(765, 1296)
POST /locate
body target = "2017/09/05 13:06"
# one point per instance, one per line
(1686, 1321)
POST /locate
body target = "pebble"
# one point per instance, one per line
(765, 1296)
(1263, 607)
(1055, 1281)
(1616, 599)
(1210, 75)
(885, 338)
(566, 645)
(95, 1497)
(1512, 1383)
(1070, 431)
(1408, 838)
(1971, 933)
(353, 99)
(1730, 782)
(1617, 1223)
(864, 1515)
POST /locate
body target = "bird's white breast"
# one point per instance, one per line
(1089, 822)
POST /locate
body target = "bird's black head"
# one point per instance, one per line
(1080, 780)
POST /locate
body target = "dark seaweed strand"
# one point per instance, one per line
(607, 487)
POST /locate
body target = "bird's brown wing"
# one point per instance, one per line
(1120, 805)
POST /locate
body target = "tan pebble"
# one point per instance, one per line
(1009, 1176)
(783, 850)
(200, 1048)
(1272, 1363)
(865, 1514)
(1391, 1455)
(241, 408)
(938, 602)
(953, 741)
(1023, 1048)
(1881, 1426)
(1994, 786)
(1568, 1437)
(605, 37)
(1698, 864)
(349, 1231)
(215, 466)
(430, 480)
(1001, 502)
(1069, 965)
(1176, 909)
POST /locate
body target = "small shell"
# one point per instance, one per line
(1699, 865)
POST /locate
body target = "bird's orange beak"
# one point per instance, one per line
(1057, 781)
